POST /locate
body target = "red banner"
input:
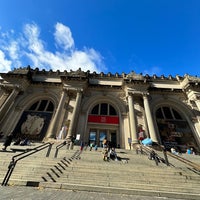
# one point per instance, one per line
(103, 119)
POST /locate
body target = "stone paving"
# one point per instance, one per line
(33, 193)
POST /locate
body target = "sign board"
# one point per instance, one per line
(129, 140)
(78, 137)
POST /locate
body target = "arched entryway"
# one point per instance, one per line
(35, 120)
(174, 129)
(103, 122)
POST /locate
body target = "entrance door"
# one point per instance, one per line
(102, 135)
(93, 136)
(96, 137)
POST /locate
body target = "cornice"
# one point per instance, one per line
(28, 75)
(190, 82)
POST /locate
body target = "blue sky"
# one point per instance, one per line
(159, 37)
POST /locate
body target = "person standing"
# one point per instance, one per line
(8, 141)
(105, 142)
(81, 146)
(188, 151)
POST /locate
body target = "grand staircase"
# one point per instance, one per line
(85, 170)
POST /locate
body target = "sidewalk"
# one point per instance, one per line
(31, 193)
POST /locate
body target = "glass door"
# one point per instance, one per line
(93, 137)
(102, 135)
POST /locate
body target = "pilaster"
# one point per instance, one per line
(53, 128)
(8, 102)
(132, 119)
(150, 123)
(74, 115)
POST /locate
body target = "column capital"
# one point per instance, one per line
(197, 97)
(131, 91)
(72, 89)
(80, 90)
(145, 94)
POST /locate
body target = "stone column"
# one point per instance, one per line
(3, 97)
(8, 102)
(133, 127)
(150, 123)
(74, 115)
(53, 128)
(197, 101)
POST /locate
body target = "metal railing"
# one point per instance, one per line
(147, 150)
(152, 154)
(181, 159)
(25, 154)
(58, 147)
(185, 161)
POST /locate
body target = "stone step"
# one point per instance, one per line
(119, 190)
(89, 172)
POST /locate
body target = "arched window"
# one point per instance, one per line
(174, 130)
(103, 109)
(35, 120)
(42, 106)
(168, 113)
(103, 115)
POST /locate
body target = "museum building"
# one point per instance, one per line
(52, 105)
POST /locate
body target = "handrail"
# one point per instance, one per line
(148, 151)
(181, 159)
(187, 162)
(145, 150)
(25, 154)
(163, 149)
(58, 147)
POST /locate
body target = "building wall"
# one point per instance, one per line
(74, 94)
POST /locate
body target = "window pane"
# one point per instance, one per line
(104, 109)
(95, 110)
(167, 113)
(42, 105)
(112, 111)
(34, 106)
(159, 114)
(176, 114)
(50, 107)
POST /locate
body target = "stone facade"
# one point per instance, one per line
(46, 105)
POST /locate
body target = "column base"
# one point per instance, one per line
(135, 141)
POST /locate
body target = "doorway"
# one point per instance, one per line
(96, 137)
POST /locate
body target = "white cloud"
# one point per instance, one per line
(5, 65)
(32, 33)
(63, 36)
(13, 50)
(29, 49)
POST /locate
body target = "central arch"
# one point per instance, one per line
(104, 119)
(103, 122)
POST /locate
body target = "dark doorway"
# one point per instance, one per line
(113, 139)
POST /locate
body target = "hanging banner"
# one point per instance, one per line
(103, 119)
